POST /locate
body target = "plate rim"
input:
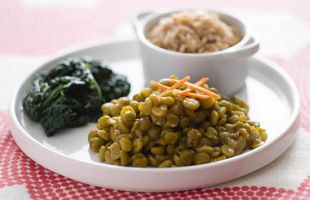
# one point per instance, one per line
(23, 133)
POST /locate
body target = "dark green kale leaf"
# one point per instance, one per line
(33, 102)
(71, 94)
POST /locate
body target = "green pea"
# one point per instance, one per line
(95, 144)
(146, 140)
(256, 143)
(193, 137)
(177, 160)
(205, 149)
(166, 163)
(157, 150)
(263, 135)
(226, 104)
(170, 137)
(125, 144)
(218, 158)
(184, 122)
(214, 117)
(201, 158)
(128, 114)
(207, 103)
(243, 104)
(137, 155)
(106, 108)
(145, 92)
(107, 157)
(161, 142)
(123, 101)
(152, 160)
(215, 153)
(240, 146)
(128, 118)
(172, 121)
(168, 101)
(144, 124)
(191, 104)
(243, 132)
(134, 104)
(159, 111)
(170, 149)
(154, 132)
(227, 150)
(137, 97)
(161, 158)
(114, 133)
(186, 157)
(155, 100)
(229, 127)
(102, 151)
(205, 141)
(121, 126)
(233, 119)
(222, 121)
(145, 108)
(115, 110)
(124, 158)
(111, 122)
(103, 122)
(103, 134)
(176, 108)
(92, 134)
(166, 82)
(115, 151)
(140, 162)
(137, 145)
(221, 112)
(135, 126)
(159, 121)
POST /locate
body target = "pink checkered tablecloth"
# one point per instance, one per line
(30, 30)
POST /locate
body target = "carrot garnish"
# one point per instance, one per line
(196, 95)
(201, 93)
(175, 86)
(203, 90)
(200, 89)
(202, 81)
(198, 83)
(159, 85)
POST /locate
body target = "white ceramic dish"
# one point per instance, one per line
(229, 66)
(271, 94)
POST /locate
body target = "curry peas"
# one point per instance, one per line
(174, 123)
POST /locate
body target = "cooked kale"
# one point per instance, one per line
(71, 94)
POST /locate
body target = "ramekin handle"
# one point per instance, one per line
(248, 49)
(138, 18)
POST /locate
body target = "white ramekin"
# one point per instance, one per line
(227, 69)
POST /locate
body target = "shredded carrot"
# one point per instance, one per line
(202, 93)
(184, 92)
(200, 89)
(198, 83)
(159, 85)
(196, 95)
(175, 86)
(202, 81)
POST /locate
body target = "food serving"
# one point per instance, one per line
(193, 32)
(174, 123)
(71, 94)
(67, 148)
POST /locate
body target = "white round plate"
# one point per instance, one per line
(272, 96)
